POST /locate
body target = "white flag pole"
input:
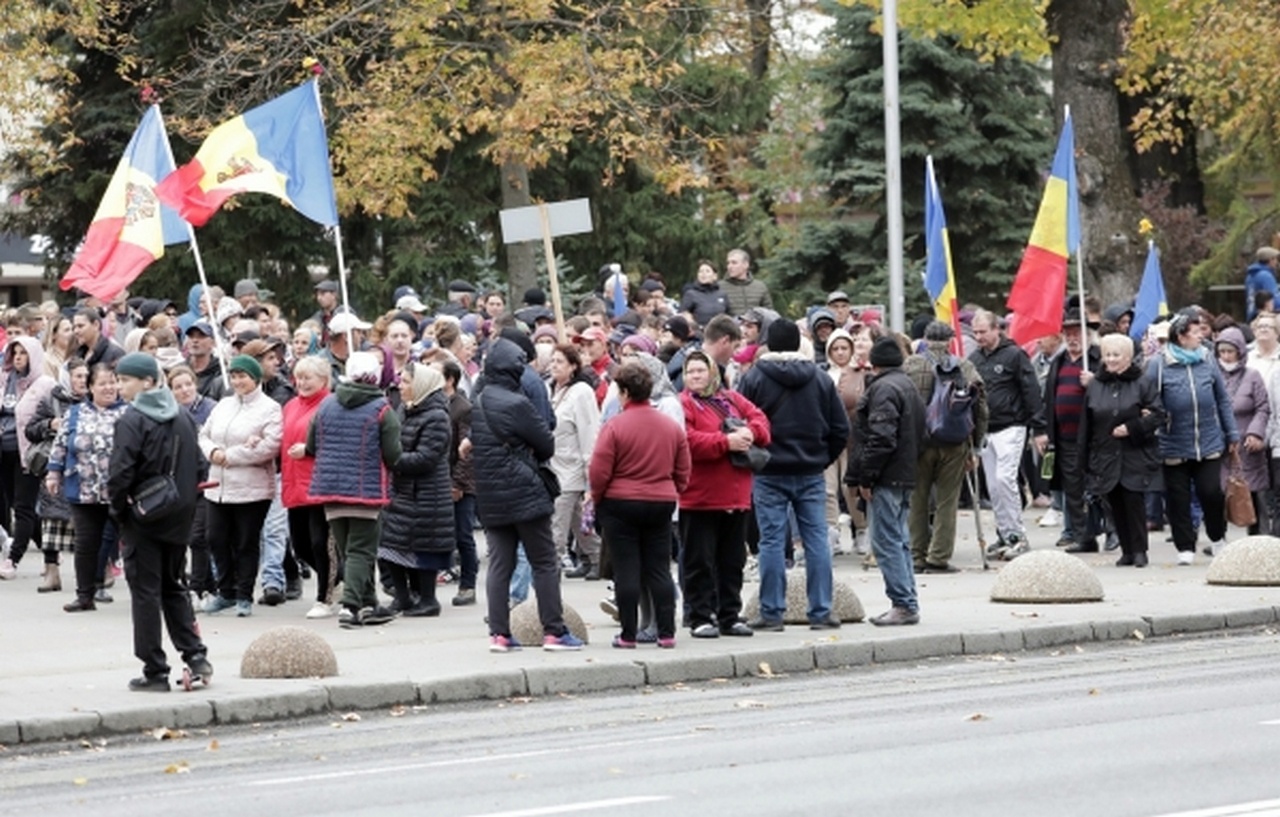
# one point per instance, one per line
(1084, 323)
(337, 240)
(204, 281)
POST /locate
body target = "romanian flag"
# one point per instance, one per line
(279, 148)
(1151, 302)
(939, 276)
(131, 227)
(1038, 289)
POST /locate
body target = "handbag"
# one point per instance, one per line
(37, 462)
(1240, 511)
(550, 481)
(157, 496)
(755, 457)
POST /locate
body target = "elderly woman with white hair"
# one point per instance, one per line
(1118, 443)
(418, 526)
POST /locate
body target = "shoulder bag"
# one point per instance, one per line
(157, 497)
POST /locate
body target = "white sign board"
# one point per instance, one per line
(565, 218)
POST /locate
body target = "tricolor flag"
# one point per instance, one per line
(1151, 302)
(279, 148)
(1038, 289)
(131, 227)
(939, 276)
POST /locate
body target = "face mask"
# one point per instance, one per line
(1228, 367)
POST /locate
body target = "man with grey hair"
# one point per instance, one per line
(941, 466)
(1013, 404)
(741, 290)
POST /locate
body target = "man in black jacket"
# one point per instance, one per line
(886, 439)
(809, 430)
(154, 437)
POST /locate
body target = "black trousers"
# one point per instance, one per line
(18, 493)
(1207, 478)
(309, 535)
(201, 559)
(714, 556)
(540, 549)
(1129, 511)
(153, 569)
(639, 535)
(90, 523)
(235, 537)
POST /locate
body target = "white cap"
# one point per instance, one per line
(341, 322)
(411, 303)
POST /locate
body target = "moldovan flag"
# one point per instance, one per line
(1151, 302)
(279, 148)
(939, 276)
(1041, 283)
(131, 227)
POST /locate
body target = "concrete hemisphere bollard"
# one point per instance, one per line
(845, 604)
(1046, 577)
(289, 652)
(527, 627)
(1253, 561)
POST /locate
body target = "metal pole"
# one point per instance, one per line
(893, 166)
(342, 283)
(204, 281)
(1084, 323)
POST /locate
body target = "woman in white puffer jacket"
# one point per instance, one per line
(241, 440)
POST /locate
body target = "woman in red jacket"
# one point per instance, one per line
(638, 469)
(714, 508)
(308, 529)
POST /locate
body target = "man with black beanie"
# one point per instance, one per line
(885, 446)
(809, 430)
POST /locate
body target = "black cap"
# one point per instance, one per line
(679, 327)
(327, 286)
(535, 297)
(458, 285)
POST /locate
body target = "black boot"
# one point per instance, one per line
(424, 581)
(581, 571)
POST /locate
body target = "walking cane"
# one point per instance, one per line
(971, 479)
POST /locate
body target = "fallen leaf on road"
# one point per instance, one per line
(80, 781)
(213, 746)
(1018, 614)
(615, 770)
(766, 671)
(519, 776)
(351, 717)
(165, 733)
(997, 657)
(1139, 635)
(1079, 648)
(704, 728)
(397, 711)
(750, 704)
(1093, 691)
(977, 716)
(180, 767)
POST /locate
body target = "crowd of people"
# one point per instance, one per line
(706, 432)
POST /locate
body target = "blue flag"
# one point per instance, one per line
(1151, 302)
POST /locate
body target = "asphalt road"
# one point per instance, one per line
(1185, 726)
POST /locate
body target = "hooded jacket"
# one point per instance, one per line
(143, 449)
(1259, 277)
(32, 388)
(193, 308)
(808, 425)
(420, 516)
(509, 439)
(1251, 409)
(247, 430)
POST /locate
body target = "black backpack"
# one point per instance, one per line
(948, 418)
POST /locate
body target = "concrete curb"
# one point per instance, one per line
(321, 698)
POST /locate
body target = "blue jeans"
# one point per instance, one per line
(887, 530)
(275, 543)
(807, 495)
(464, 524)
(521, 577)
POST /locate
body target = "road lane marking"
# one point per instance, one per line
(1258, 808)
(569, 808)
(460, 761)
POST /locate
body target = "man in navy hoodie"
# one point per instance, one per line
(809, 428)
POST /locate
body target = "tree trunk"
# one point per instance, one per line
(1087, 45)
(521, 273)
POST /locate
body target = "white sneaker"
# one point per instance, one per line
(1218, 546)
(833, 541)
(860, 544)
(844, 520)
(1186, 557)
(7, 570)
(320, 610)
(1051, 519)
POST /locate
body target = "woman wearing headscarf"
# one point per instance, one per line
(1199, 429)
(418, 526)
(573, 400)
(1251, 408)
(1118, 445)
(241, 440)
(56, 531)
(850, 378)
(715, 504)
(79, 466)
(25, 385)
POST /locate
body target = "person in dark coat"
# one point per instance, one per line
(463, 491)
(56, 532)
(704, 299)
(509, 440)
(155, 550)
(886, 438)
(417, 527)
(1118, 444)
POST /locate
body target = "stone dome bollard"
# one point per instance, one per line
(527, 627)
(845, 604)
(1046, 577)
(1253, 561)
(288, 652)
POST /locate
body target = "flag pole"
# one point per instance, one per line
(337, 229)
(204, 280)
(1084, 323)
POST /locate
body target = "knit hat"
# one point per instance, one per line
(886, 353)
(139, 365)
(246, 364)
(679, 328)
(363, 367)
(784, 336)
(641, 343)
(546, 331)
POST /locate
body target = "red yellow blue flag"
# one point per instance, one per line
(1038, 290)
(939, 275)
(131, 227)
(279, 148)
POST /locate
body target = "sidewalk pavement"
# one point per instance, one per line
(65, 674)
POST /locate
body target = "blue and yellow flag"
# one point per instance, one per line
(939, 276)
